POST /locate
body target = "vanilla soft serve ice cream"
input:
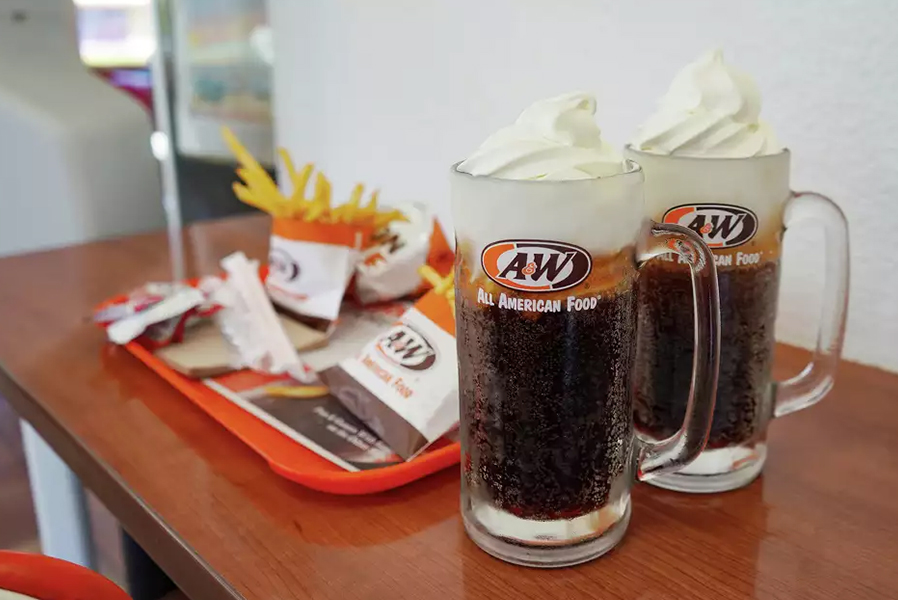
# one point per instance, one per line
(554, 139)
(711, 110)
(549, 176)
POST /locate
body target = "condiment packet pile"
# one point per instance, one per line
(157, 314)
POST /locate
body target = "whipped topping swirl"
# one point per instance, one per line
(554, 139)
(711, 110)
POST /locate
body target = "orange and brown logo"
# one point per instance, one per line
(719, 225)
(536, 265)
(405, 346)
(384, 243)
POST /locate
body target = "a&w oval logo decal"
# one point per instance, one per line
(405, 346)
(720, 225)
(280, 262)
(536, 265)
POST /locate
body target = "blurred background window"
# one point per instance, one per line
(217, 65)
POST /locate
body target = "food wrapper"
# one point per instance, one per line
(134, 302)
(388, 269)
(404, 383)
(250, 325)
(314, 245)
(156, 314)
(310, 265)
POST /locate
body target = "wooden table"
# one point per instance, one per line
(821, 523)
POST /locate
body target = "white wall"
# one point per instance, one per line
(75, 159)
(391, 92)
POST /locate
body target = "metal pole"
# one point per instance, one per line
(163, 148)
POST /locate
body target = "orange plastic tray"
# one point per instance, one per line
(288, 458)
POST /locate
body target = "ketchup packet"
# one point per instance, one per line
(404, 384)
(156, 314)
(388, 269)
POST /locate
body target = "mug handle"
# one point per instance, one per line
(816, 379)
(671, 454)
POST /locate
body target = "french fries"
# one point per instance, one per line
(259, 190)
(444, 286)
(299, 392)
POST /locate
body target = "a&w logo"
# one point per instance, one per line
(282, 263)
(385, 243)
(406, 347)
(535, 265)
(720, 225)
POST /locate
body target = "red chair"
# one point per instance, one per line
(45, 578)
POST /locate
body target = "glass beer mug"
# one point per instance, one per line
(740, 207)
(546, 311)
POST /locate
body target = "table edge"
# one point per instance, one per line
(174, 556)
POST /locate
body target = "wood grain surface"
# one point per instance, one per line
(821, 523)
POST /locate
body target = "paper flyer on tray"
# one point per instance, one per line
(320, 424)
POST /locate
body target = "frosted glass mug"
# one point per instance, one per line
(546, 307)
(741, 207)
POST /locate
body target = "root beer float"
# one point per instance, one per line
(550, 231)
(713, 166)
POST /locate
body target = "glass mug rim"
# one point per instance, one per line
(783, 153)
(633, 170)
